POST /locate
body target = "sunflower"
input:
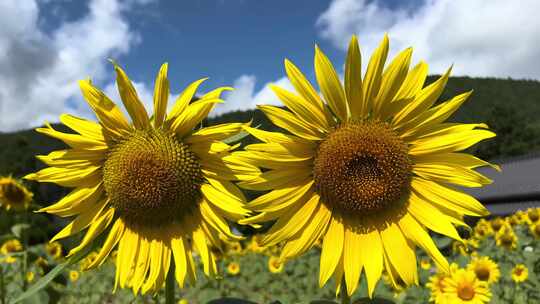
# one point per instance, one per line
(534, 228)
(74, 275)
(482, 229)
(533, 214)
(14, 195)
(233, 268)
(436, 286)
(425, 264)
(159, 186)
(30, 276)
(464, 287)
(275, 265)
(235, 248)
(368, 167)
(497, 223)
(465, 247)
(520, 273)
(11, 246)
(54, 249)
(506, 238)
(485, 269)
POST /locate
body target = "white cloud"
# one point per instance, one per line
(245, 97)
(496, 38)
(39, 71)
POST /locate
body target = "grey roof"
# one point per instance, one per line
(518, 181)
(507, 208)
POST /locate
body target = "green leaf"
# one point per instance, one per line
(237, 137)
(18, 229)
(46, 279)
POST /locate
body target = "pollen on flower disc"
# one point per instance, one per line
(152, 178)
(362, 168)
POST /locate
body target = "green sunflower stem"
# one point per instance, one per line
(2, 287)
(169, 286)
(345, 299)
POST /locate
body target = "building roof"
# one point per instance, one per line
(518, 181)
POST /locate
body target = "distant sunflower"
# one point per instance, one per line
(368, 167)
(506, 238)
(464, 287)
(160, 185)
(533, 214)
(14, 195)
(497, 223)
(482, 229)
(425, 264)
(520, 273)
(534, 228)
(233, 268)
(74, 275)
(54, 249)
(436, 285)
(275, 265)
(485, 269)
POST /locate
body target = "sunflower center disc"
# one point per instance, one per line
(466, 292)
(362, 168)
(152, 178)
(13, 193)
(482, 273)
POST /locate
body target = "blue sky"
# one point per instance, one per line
(47, 45)
(221, 39)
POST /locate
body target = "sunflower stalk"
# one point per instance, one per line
(169, 286)
(345, 299)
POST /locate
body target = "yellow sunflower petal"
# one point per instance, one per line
(84, 127)
(453, 174)
(330, 85)
(109, 115)
(448, 197)
(313, 231)
(291, 222)
(450, 142)
(352, 257)
(192, 115)
(306, 90)
(73, 158)
(67, 177)
(131, 100)
(422, 101)
(183, 100)
(373, 77)
(353, 81)
(161, 95)
(73, 140)
(415, 232)
(81, 221)
(78, 201)
(392, 80)
(304, 110)
(113, 238)
(400, 253)
(431, 217)
(98, 225)
(332, 249)
(372, 258)
(290, 122)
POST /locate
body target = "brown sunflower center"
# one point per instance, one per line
(13, 193)
(534, 216)
(537, 229)
(152, 178)
(507, 239)
(466, 292)
(482, 273)
(362, 168)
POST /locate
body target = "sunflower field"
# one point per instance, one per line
(356, 195)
